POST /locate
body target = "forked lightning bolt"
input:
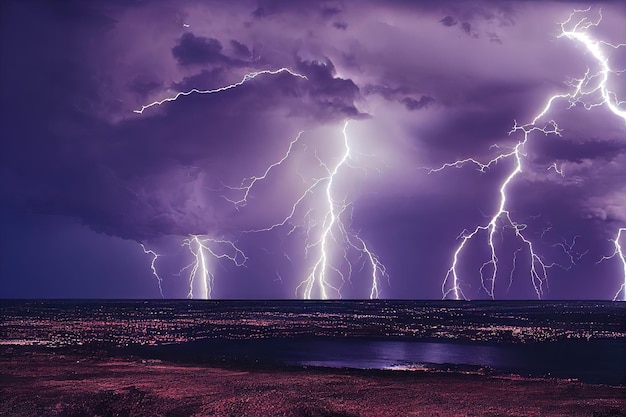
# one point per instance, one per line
(590, 91)
(247, 183)
(328, 235)
(325, 278)
(322, 269)
(596, 83)
(537, 268)
(200, 247)
(199, 269)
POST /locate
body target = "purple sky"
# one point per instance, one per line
(85, 180)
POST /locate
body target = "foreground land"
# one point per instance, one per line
(55, 383)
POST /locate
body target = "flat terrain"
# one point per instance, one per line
(45, 383)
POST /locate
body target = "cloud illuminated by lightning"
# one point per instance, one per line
(327, 233)
(325, 277)
(590, 91)
(201, 247)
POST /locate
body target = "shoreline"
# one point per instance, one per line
(247, 360)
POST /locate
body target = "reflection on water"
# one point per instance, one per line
(384, 354)
(597, 362)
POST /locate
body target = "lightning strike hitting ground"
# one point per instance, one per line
(249, 76)
(621, 255)
(590, 91)
(320, 275)
(325, 278)
(537, 268)
(200, 247)
(200, 274)
(155, 256)
(328, 234)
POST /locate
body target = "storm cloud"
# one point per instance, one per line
(421, 83)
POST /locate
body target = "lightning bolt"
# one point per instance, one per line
(589, 91)
(155, 256)
(568, 249)
(586, 87)
(319, 272)
(556, 169)
(200, 274)
(247, 183)
(328, 234)
(322, 270)
(537, 269)
(202, 247)
(247, 77)
(619, 253)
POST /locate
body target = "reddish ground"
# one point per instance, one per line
(46, 384)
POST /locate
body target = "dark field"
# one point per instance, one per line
(76, 385)
(236, 358)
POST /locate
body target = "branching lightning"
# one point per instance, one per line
(201, 247)
(200, 274)
(568, 249)
(155, 256)
(325, 278)
(327, 234)
(590, 91)
(247, 183)
(332, 246)
(249, 76)
(537, 268)
(322, 270)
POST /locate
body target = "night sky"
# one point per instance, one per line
(86, 179)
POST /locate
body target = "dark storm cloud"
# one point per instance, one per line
(565, 149)
(136, 178)
(144, 87)
(323, 8)
(466, 27)
(205, 79)
(330, 9)
(198, 50)
(400, 95)
(333, 97)
(448, 21)
(165, 198)
(413, 104)
(493, 37)
(240, 49)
